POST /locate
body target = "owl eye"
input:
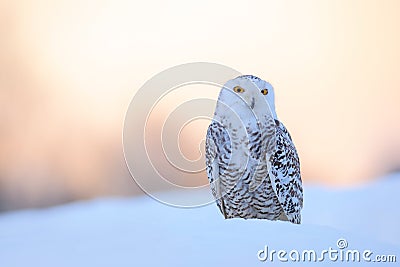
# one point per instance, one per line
(264, 91)
(238, 89)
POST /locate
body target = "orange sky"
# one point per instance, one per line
(76, 65)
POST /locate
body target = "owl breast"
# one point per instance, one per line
(244, 174)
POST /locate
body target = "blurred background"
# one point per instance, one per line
(69, 69)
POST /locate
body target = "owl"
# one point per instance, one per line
(251, 161)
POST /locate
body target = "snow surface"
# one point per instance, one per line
(143, 232)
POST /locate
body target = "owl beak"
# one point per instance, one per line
(253, 102)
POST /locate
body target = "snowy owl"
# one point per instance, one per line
(252, 164)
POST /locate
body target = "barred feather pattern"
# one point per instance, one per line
(267, 183)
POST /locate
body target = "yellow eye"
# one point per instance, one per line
(238, 89)
(264, 91)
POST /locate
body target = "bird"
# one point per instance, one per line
(251, 161)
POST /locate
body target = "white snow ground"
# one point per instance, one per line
(143, 232)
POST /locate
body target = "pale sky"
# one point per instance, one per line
(334, 65)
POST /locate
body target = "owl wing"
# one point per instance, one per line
(285, 174)
(217, 141)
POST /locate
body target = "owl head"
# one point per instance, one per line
(248, 93)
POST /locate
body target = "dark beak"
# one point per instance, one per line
(253, 101)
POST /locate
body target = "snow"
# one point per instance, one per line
(143, 232)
